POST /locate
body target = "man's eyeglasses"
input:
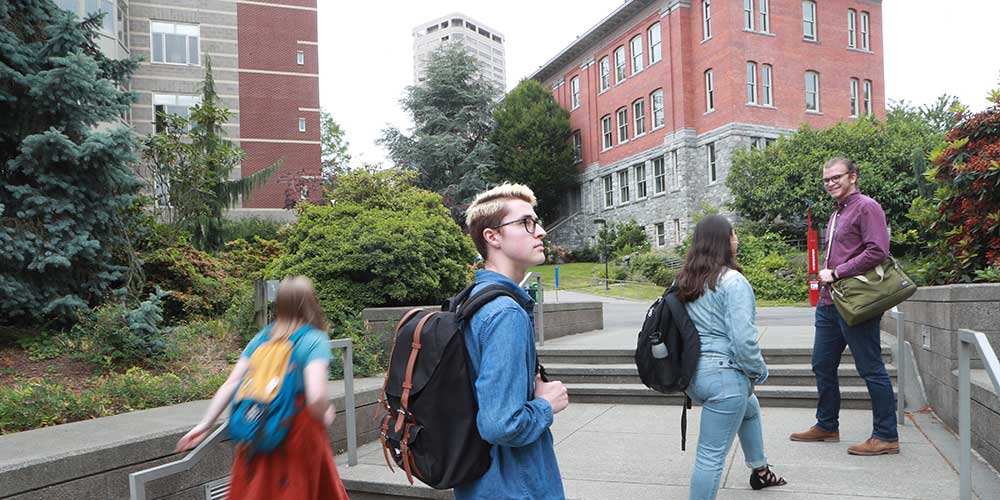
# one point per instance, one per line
(834, 178)
(530, 224)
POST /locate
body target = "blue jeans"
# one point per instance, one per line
(729, 407)
(832, 336)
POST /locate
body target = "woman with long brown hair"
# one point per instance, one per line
(722, 306)
(302, 466)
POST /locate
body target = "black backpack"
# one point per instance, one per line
(667, 321)
(430, 423)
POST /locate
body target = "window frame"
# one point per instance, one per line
(868, 91)
(577, 138)
(852, 28)
(641, 186)
(767, 83)
(764, 16)
(865, 31)
(658, 93)
(187, 43)
(659, 178)
(855, 93)
(675, 170)
(815, 92)
(607, 135)
(712, 163)
(574, 92)
(658, 52)
(709, 91)
(659, 233)
(677, 231)
(812, 35)
(620, 65)
(752, 83)
(604, 70)
(191, 99)
(639, 116)
(621, 115)
(609, 191)
(748, 15)
(624, 193)
(302, 124)
(300, 57)
(637, 56)
(706, 16)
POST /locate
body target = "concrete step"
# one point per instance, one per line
(773, 356)
(626, 373)
(769, 395)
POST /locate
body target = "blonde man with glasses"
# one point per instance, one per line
(516, 407)
(857, 240)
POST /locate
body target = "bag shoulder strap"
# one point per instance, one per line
(468, 308)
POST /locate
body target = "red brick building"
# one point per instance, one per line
(662, 92)
(279, 97)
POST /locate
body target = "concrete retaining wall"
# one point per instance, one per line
(561, 319)
(932, 318)
(91, 460)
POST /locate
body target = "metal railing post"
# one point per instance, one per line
(964, 422)
(901, 364)
(352, 431)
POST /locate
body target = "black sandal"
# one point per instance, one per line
(759, 482)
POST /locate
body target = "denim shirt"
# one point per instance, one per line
(725, 320)
(500, 339)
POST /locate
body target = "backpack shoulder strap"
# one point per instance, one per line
(488, 294)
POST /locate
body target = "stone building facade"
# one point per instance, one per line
(663, 93)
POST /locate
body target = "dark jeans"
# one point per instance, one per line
(832, 336)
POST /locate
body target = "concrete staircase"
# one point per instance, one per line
(610, 376)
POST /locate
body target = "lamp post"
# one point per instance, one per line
(604, 251)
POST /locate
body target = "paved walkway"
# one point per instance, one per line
(616, 452)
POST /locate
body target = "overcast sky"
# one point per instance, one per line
(366, 51)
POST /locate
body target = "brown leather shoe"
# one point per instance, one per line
(875, 447)
(816, 434)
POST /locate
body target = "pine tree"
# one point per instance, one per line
(452, 115)
(66, 179)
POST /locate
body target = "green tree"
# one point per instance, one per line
(190, 162)
(65, 183)
(333, 147)
(382, 242)
(771, 187)
(532, 145)
(451, 110)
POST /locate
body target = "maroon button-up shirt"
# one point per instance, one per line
(860, 239)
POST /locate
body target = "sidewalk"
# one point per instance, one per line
(633, 452)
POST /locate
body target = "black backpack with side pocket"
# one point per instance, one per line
(429, 426)
(667, 322)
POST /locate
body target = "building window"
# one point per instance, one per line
(852, 20)
(659, 176)
(706, 16)
(639, 116)
(868, 97)
(577, 146)
(748, 15)
(661, 239)
(809, 20)
(635, 45)
(622, 125)
(765, 84)
(713, 172)
(764, 17)
(574, 92)
(677, 231)
(709, 92)
(300, 57)
(640, 181)
(302, 124)
(854, 97)
(623, 186)
(609, 191)
(812, 91)
(751, 82)
(657, 104)
(865, 41)
(620, 64)
(166, 104)
(122, 26)
(605, 73)
(655, 53)
(175, 43)
(675, 174)
(606, 132)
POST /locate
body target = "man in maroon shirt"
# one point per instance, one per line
(857, 241)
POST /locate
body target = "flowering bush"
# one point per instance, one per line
(961, 222)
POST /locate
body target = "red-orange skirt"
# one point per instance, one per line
(302, 468)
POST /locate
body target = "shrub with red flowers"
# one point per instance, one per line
(961, 222)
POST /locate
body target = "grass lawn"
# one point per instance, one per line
(584, 277)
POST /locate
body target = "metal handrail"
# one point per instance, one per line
(901, 364)
(137, 480)
(967, 340)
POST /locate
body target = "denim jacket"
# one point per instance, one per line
(500, 339)
(725, 320)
